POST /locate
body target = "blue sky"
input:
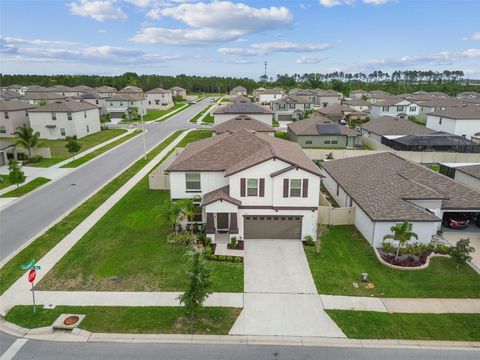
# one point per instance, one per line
(231, 38)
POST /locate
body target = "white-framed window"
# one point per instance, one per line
(308, 140)
(3, 129)
(6, 115)
(69, 116)
(400, 108)
(54, 116)
(62, 131)
(385, 108)
(192, 181)
(413, 108)
(440, 121)
(252, 187)
(295, 187)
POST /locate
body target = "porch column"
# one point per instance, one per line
(210, 226)
(233, 224)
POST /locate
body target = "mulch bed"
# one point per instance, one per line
(406, 260)
(240, 245)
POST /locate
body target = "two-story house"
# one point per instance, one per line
(12, 115)
(118, 105)
(242, 107)
(253, 186)
(290, 108)
(178, 91)
(436, 105)
(325, 98)
(158, 98)
(60, 119)
(132, 91)
(266, 96)
(461, 120)
(394, 107)
(238, 90)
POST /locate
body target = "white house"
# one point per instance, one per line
(386, 190)
(158, 98)
(94, 99)
(392, 126)
(238, 90)
(265, 97)
(12, 115)
(465, 173)
(432, 105)
(118, 105)
(65, 118)
(462, 120)
(253, 186)
(324, 98)
(258, 112)
(290, 108)
(358, 104)
(178, 91)
(394, 107)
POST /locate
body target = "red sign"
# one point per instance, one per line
(31, 275)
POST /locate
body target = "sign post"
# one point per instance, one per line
(32, 274)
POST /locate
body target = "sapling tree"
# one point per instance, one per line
(72, 145)
(460, 253)
(15, 173)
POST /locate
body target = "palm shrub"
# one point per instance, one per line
(401, 233)
(27, 138)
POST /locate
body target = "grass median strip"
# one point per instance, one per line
(138, 320)
(82, 160)
(377, 325)
(28, 187)
(200, 114)
(172, 114)
(11, 271)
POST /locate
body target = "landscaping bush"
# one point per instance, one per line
(442, 249)
(309, 240)
(229, 258)
(213, 257)
(233, 242)
(222, 258)
(460, 253)
(237, 259)
(182, 238)
(387, 247)
(208, 250)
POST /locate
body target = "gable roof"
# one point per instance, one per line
(389, 125)
(65, 106)
(357, 102)
(335, 109)
(241, 98)
(11, 95)
(313, 127)
(460, 112)
(381, 184)
(13, 105)
(105, 89)
(390, 101)
(472, 170)
(177, 88)
(124, 97)
(242, 108)
(440, 102)
(238, 88)
(158, 91)
(43, 96)
(131, 89)
(293, 98)
(242, 122)
(234, 152)
(222, 193)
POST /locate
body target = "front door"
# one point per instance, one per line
(222, 221)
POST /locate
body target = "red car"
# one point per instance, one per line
(455, 220)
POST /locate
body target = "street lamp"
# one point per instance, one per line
(143, 136)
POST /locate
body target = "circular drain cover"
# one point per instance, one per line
(71, 320)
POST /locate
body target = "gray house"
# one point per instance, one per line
(320, 132)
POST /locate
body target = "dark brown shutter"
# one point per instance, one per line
(262, 187)
(243, 184)
(305, 188)
(285, 188)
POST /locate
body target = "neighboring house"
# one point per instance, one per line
(437, 141)
(468, 95)
(253, 186)
(11, 95)
(467, 173)
(320, 132)
(178, 91)
(394, 107)
(461, 120)
(240, 98)
(106, 91)
(387, 190)
(267, 96)
(36, 88)
(238, 90)
(131, 91)
(82, 89)
(39, 98)
(158, 98)
(290, 108)
(324, 98)
(12, 115)
(358, 104)
(19, 89)
(392, 126)
(243, 122)
(95, 99)
(257, 91)
(358, 94)
(337, 112)
(379, 95)
(63, 90)
(436, 105)
(60, 119)
(227, 112)
(118, 105)
(7, 148)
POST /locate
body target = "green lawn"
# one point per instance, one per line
(26, 188)
(153, 114)
(4, 181)
(140, 320)
(133, 254)
(11, 271)
(434, 167)
(282, 135)
(194, 136)
(94, 154)
(345, 254)
(208, 119)
(196, 117)
(376, 325)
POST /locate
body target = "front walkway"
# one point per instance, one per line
(280, 295)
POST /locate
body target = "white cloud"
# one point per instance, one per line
(214, 22)
(332, 3)
(13, 40)
(376, 2)
(154, 14)
(474, 36)
(309, 59)
(472, 53)
(260, 49)
(99, 10)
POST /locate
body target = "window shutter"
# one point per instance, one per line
(305, 188)
(262, 187)
(243, 185)
(285, 188)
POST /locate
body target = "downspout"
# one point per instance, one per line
(373, 234)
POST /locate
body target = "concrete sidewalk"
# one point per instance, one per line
(21, 288)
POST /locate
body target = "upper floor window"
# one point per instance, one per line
(252, 187)
(192, 181)
(295, 187)
(54, 116)
(69, 116)
(385, 108)
(5, 114)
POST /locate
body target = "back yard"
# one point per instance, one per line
(345, 254)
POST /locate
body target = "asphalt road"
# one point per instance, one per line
(44, 350)
(25, 218)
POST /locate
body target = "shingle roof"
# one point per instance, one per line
(241, 98)
(357, 102)
(388, 125)
(291, 98)
(238, 88)
(381, 184)
(310, 127)
(11, 95)
(158, 91)
(62, 88)
(242, 122)
(131, 89)
(82, 88)
(390, 101)
(91, 95)
(65, 106)
(176, 88)
(222, 193)
(472, 170)
(5, 145)
(461, 112)
(242, 108)
(335, 109)
(123, 97)
(233, 152)
(105, 89)
(440, 102)
(13, 105)
(43, 96)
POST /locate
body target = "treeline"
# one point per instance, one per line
(398, 82)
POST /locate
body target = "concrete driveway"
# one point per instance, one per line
(280, 296)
